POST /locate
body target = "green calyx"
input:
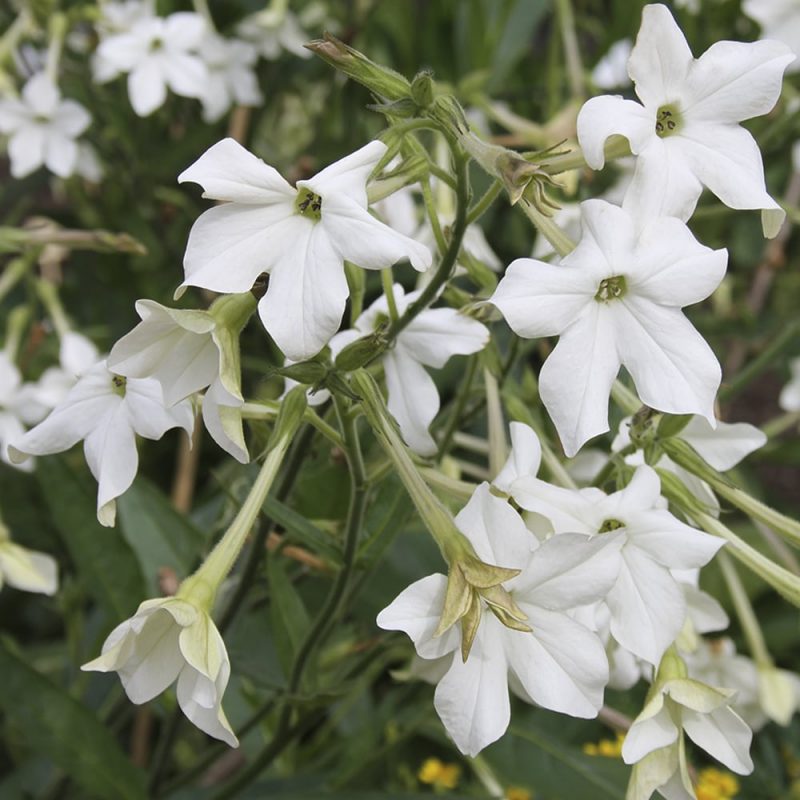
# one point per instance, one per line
(613, 288)
(611, 525)
(668, 121)
(308, 204)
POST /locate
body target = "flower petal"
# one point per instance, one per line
(61, 154)
(723, 734)
(524, 459)
(672, 366)
(439, 333)
(607, 115)
(307, 292)
(416, 611)
(28, 570)
(147, 89)
(147, 413)
(348, 176)
(185, 74)
(222, 417)
(575, 381)
(726, 445)
(648, 734)
(413, 399)
(670, 542)
(27, 150)
(472, 698)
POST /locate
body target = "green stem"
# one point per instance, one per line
(616, 147)
(268, 409)
(448, 261)
(566, 21)
(482, 205)
(775, 427)
(388, 291)
(547, 226)
(329, 612)
(462, 398)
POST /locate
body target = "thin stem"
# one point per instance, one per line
(433, 215)
(775, 427)
(266, 409)
(484, 203)
(547, 226)
(454, 421)
(388, 291)
(448, 261)
(566, 20)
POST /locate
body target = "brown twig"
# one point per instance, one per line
(186, 468)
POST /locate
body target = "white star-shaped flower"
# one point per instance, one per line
(647, 603)
(13, 408)
(42, 129)
(106, 411)
(616, 300)
(559, 664)
(300, 235)
(779, 19)
(231, 75)
(686, 130)
(116, 18)
(429, 340)
(166, 640)
(273, 31)
(158, 52)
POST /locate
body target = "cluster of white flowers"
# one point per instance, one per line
(596, 589)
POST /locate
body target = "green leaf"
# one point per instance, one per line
(159, 535)
(302, 530)
(106, 564)
(287, 612)
(516, 38)
(58, 726)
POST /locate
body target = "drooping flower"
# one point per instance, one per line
(231, 77)
(24, 569)
(551, 660)
(158, 53)
(686, 130)
(676, 705)
(106, 411)
(429, 340)
(647, 603)
(167, 640)
(300, 235)
(616, 300)
(42, 129)
(187, 351)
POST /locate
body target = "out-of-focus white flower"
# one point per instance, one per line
(24, 569)
(429, 340)
(272, 31)
(300, 235)
(42, 129)
(231, 77)
(558, 664)
(722, 447)
(616, 300)
(186, 351)
(611, 71)
(789, 399)
(166, 640)
(106, 411)
(779, 19)
(686, 130)
(157, 53)
(116, 18)
(12, 411)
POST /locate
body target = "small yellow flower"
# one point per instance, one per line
(438, 774)
(518, 793)
(608, 748)
(715, 784)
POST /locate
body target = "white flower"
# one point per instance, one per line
(24, 569)
(11, 409)
(272, 31)
(429, 340)
(76, 355)
(722, 448)
(559, 665)
(686, 133)
(169, 639)
(789, 399)
(300, 235)
(680, 704)
(647, 604)
(42, 129)
(231, 77)
(611, 71)
(158, 53)
(116, 18)
(399, 210)
(107, 412)
(779, 19)
(186, 351)
(616, 300)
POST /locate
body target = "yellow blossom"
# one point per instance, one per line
(716, 784)
(608, 748)
(438, 774)
(518, 793)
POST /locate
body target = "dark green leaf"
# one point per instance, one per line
(287, 612)
(56, 725)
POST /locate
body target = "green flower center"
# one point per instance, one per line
(611, 525)
(668, 121)
(308, 204)
(118, 384)
(611, 289)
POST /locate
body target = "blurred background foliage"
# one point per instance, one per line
(366, 730)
